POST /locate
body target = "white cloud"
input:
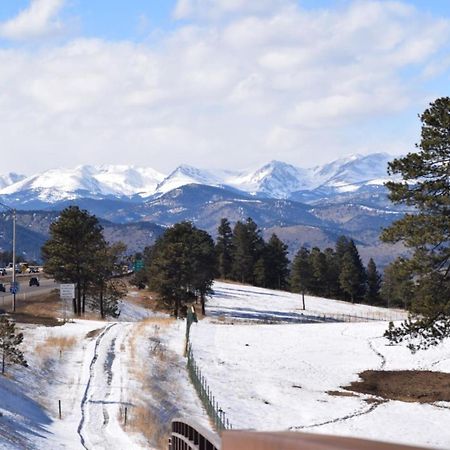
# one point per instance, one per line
(289, 84)
(39, 19)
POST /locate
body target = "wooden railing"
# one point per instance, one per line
(188, 435)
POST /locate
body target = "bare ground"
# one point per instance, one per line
(421, 386)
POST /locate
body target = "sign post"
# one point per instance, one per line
(66, 292)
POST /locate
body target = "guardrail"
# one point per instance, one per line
(188, 435)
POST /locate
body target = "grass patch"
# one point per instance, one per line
(55, 346)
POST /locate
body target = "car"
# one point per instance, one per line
(2, 287)
(34, 281)
(3, 272)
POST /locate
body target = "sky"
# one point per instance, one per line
(228, 84)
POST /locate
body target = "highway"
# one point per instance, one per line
(25, 290)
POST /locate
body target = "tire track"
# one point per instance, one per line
(358, 412)
(341, 419)
(88, 385)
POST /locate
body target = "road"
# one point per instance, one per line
(25, 290)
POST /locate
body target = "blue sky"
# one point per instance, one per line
(216, 83)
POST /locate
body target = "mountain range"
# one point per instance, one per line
(304, 206)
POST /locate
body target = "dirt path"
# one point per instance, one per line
(103, 402)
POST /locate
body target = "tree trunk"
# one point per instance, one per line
(202, 299)
(176, 308)
(3, 359)
(83, 308)
(303, 300)
(78, 311)
(74, 302)
(102, 312)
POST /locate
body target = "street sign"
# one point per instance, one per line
(15, 287)
(138, 265)
(67, 291)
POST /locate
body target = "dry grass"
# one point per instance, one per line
(55, 346)
(144, 417)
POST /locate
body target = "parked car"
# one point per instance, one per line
(3, 271)
(34, 281)
(2, 287)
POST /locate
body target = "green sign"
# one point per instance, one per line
(138, 265)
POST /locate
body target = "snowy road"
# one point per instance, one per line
(104, 399)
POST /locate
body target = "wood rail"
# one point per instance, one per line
(189, 435)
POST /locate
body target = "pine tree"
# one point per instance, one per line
(71, 252)
(397, 288)
(373, 284)
(9, 343)
(182, 266)
(333, 289)
(301, 273)
(277, 263)
(224, 248)
(349, 277)
(319, 272)
(362, 276)
(247, 249)
(426, 231)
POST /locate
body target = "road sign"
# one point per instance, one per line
(15, 287)
(67, 291)
(138, 265)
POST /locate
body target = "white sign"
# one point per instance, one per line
(67, 291)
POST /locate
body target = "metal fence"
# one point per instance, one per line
(358, 317)
(215, 412)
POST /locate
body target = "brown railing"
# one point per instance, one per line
(188, 435)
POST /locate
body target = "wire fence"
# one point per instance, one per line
(214, 411)
(358, 317)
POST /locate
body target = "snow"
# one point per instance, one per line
(275, 179)
(277, 377)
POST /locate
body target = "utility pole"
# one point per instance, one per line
(14, 261)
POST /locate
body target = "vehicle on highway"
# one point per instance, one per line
(2, 287)
(34, 281)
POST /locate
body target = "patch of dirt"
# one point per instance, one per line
(341, 394)
(37, 320)
(405, 385)
(93, 333)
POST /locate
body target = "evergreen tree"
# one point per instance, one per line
(333, 289)
(319, 272)
(277, 263)
(247, 249)
(397, 288)
(426, 187)
(104, 290)
(9, 343)
(349, 277)
(373, 284)
(224, 248)
(301, 273)
(70, 255)
(362, 276)
(182, 265)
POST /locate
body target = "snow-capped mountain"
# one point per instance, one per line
(184, 175)
(274, 180)
(10, 178)
(277, 180)
(84, 181)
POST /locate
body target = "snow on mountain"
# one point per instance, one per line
(129, 180)
(354, 169)
(275, 179)
(86, 181)
(184, 175)
(10, 178)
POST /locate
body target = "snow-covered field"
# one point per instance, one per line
(279, 376)
(270, 365)
(98, 369)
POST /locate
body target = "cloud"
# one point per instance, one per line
(303, 86)
(39, 19)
